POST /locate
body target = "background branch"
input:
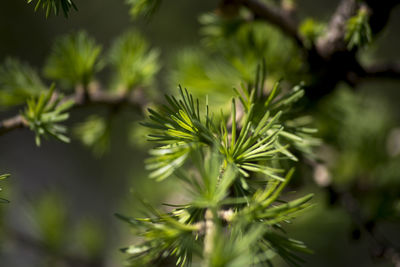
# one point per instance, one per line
(83, 98)
(333, 40)
(12, 123)
(390, 70)
(331, 62)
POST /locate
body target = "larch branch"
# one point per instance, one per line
(82, 99)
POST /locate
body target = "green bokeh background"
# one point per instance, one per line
(80, 193)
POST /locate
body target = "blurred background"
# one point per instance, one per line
(64, 196)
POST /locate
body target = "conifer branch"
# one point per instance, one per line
(11, 124)
(82, 99)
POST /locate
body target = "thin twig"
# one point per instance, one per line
(82, 99)
(12, 123)
(390, 70)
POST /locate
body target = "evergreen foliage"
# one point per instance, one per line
(233, 160)
(18, 82)
(242, 42)
(94, 132)
(311, 30)
(358, 31)
(133, 61)
(201, 71)
(235, 181)
(55, 6)
(143, 7)
(74, 60)
(44, 114)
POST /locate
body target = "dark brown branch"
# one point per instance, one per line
(282, 18)
(96, 96)
(333, 40)
(390, 71)
(82, 99)
(385, 70)
(330, 61)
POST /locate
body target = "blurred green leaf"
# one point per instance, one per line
(50, 215)
(134, 62)
(143, 7)
(74, 60)
(204, 74)
(358, 31)
(90, 238)
(18, 82)
(94, 133)
(244, 42)
(311, 30)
